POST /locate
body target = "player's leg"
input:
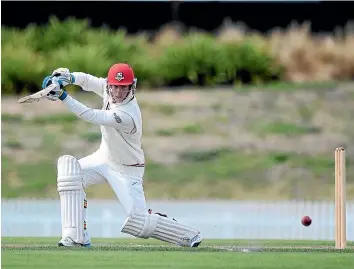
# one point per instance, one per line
(90, 166)
(73, 176)
(128, 186)
(72, 196)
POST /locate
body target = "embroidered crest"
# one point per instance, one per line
(119, 76)
(117, 118)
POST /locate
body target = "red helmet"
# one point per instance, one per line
(120, 74)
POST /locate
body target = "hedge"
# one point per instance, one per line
(30, 54)
(194, 58)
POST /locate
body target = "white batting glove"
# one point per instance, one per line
(64, 76)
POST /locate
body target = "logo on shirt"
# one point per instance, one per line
(117, 118)
(119, 76)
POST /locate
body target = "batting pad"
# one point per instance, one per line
(72, 198)
(152, 225)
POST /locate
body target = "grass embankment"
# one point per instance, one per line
(254, 144)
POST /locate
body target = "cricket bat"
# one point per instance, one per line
(35, 97)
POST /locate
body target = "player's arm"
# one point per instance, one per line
(112, 118)
(90, 83)
(86, 81)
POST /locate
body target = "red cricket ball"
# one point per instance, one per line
(306, 221)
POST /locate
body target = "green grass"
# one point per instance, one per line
(91, 136)
(226, 164)
(13, 144)
(60, 118)
(34, 178)
(190, 129)
(165, 132)
(164, 109)
(284, 128)
(50, 119)
(289, 86)
(214, 173)
(11, 118)
(135, 253)
(216, 164)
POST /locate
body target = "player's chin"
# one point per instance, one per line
(119, 100)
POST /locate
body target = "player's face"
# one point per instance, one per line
(118, 92)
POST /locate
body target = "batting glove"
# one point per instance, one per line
(64, 76)
(58, 92)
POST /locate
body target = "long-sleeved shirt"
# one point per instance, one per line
(121, 125)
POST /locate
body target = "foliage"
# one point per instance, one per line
(197, 59)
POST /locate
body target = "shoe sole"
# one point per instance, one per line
(76, 245)
(196, 244)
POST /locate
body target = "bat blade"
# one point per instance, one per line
(35, 97)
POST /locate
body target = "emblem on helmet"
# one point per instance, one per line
(119, 76)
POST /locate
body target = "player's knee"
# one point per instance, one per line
(85, 184)
(69, 174)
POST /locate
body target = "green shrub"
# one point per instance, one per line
(245, 62)
(22, 69)
(16, 38)
(90, 58)
(117, 44)
(57, 34)
(197, 59)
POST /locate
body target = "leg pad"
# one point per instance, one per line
(145, 225)
(72, 198)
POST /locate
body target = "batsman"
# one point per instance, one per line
(119, 160)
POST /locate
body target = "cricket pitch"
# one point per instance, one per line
(33, 253)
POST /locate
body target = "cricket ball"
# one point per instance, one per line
(306, 221)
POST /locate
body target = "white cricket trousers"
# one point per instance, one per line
(126, 181)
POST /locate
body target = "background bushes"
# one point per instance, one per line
(172, 58)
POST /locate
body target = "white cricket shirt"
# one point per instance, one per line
(121, 125)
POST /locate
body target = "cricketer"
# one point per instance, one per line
(119, 160)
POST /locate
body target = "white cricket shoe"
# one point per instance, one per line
(68, 242)
(196, 240)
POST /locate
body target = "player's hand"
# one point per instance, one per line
(64, 76)
(46, 81)
(58, 92)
